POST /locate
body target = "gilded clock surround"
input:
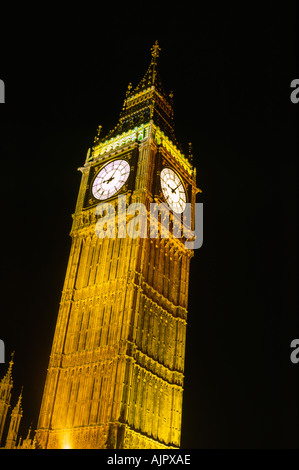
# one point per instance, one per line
(116, 369)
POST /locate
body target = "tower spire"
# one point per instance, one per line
(8, 376)
(6, 385)
(145, 102)
(16, 416)
(155, 50)
(10, 364)
(18, 405)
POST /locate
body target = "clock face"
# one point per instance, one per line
(110, 179)
(173, 190)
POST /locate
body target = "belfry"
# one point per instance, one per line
(116, 368)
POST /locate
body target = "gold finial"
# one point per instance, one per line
(18, 405)
(11, 361)
(155, 50)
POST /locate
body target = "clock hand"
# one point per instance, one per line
(110, 179)
(114, 173)
(173, 190)
(169, 186)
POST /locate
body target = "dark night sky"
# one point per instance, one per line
(230, 68)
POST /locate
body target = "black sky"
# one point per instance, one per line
(230, 68)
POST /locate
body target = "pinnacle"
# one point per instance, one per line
(155, 50)
(8, 377)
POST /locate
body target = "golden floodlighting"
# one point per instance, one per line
(116, 370)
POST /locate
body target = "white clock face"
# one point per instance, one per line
(110, 179)
(173, 190)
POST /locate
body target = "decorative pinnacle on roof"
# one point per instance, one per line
(11, 362)
(18, 408)
(155, 50)
(20, 397)
(8, 377)
(155, 54)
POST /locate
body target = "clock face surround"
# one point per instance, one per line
(173, 190)
(110, 179)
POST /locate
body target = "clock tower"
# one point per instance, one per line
(116, 368)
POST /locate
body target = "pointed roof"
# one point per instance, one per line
(8, 376)
(18, 408)
(147, 101)
(151, 77)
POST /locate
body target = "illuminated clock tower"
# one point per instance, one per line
(115, 375)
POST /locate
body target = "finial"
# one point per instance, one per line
(18, 405)
(155, 50)
(8, 376)
(11, 362)
(29, 430)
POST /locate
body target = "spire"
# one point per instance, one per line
(18, 407)
(8, 376)
(155, 51)
(151, 76)
(155, 54)
(11, 363)
(146, 102)
(6, 385)
(14, 424)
